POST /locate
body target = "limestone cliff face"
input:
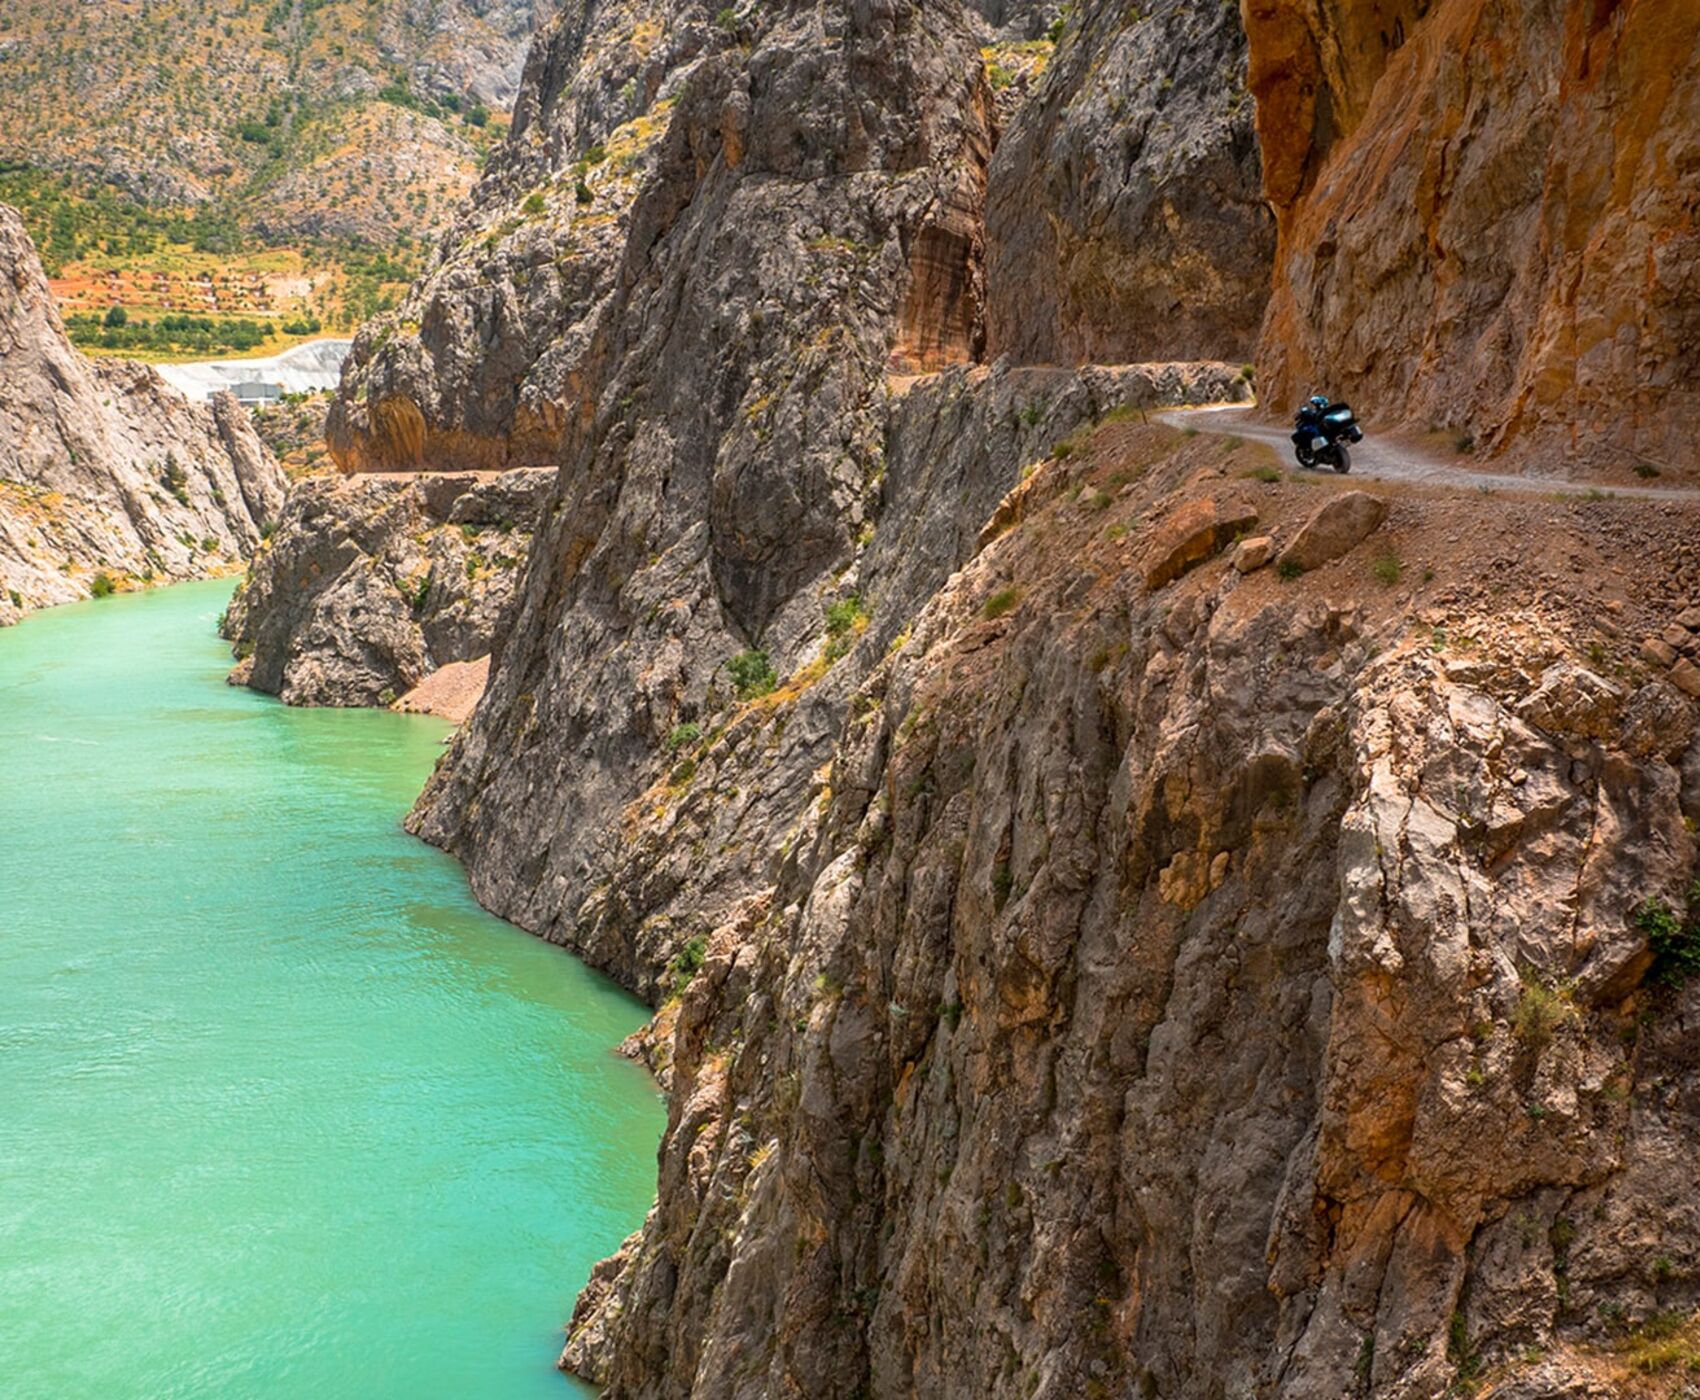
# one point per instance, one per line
(1223, 985)
(105, 469)
(482, 364)
(727, 451)
(1125, 219)
(1487, 217)
(371, 583)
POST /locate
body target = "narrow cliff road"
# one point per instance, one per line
(1386, 459)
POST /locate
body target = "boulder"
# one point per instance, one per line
(1686, 676)
(1335, 528)
(1657, 721)
(1658, 653)
(1194, 533)
(1254, 553)
(1573, 700)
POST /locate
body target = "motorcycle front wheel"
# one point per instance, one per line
(1342, 458)
(1306, 457)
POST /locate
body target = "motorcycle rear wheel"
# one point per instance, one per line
(1342, 458)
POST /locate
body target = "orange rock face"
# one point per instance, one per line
(1488, 217)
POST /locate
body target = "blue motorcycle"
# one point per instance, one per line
(1321, 433)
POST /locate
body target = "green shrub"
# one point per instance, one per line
(533, 203)
(115, 317)
(1268, 474)
(1674, 941)
(752, 674)
(687, 962)
(687, 733)
(1001, 602)
(581, 192)
(1387, 569)
(1541, 1010)
(1646, 470)
(1289, 569)
(843, 613)
(102, 586)
(727, 19)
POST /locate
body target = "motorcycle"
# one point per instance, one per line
(1321, 432)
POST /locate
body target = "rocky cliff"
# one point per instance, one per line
(1125, 217)
(105, 472)
(1122, 921)
(1191, 977)
(370, 584)
(1493, 235)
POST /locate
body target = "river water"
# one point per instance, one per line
(282, 1111)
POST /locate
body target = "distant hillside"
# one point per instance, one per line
(289, 120)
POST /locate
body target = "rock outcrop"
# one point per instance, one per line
(370, 584)
(106, 472)
(1125, 218)
(488, 356)
(1499, 239)
(1231, 987)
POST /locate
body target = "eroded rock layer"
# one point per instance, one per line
(1489, 216)
(105, 471)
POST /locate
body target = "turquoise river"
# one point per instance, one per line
(282, 1111)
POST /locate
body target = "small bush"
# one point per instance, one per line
(1289, 569)
(1464, 443)
(115, 317)
(682, 773)
(1267, 474)
(752, 674)
(1646, 470)
(843, 614)
(581, 192)
(102, 585)
(533, 203)
(1541, 1010)
(727, 19)
(1001, 602)
(687, 962)
(1674, 941)
(1388, 570)
(684, 734)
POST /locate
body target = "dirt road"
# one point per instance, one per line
(1388, 460)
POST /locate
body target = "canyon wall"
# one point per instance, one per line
(104, 469)
(1122, 922)
(1489, 218)
(1231, 984)
(1125, 219)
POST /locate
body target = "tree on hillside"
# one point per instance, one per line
(116, 316)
